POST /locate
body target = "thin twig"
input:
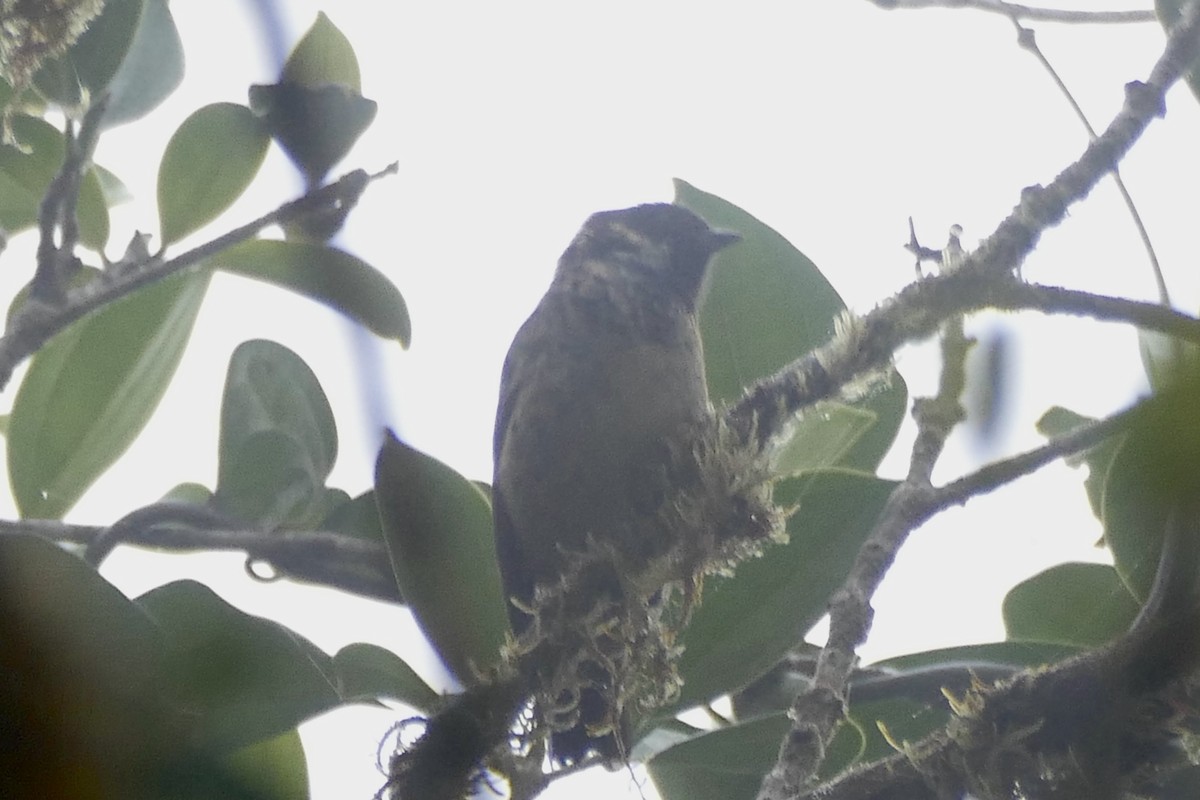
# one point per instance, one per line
(998, 473)
(57, 213)
(328, 558)
(1028, 41)
(36, 323)
(1025, 12)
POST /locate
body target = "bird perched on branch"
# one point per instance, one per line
(601, 382)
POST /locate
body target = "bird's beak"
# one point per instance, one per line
(722, 239)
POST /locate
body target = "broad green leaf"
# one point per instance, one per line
(61, 610)
(1078, 604)
(726, 763)
(80, 665)
(88, 68)
(268, 479)
(323, 56)
(91, 389)
(25, 177)
(766, 305)
(242, 678)
(822, 437)
(278, 438)
(1165, 358)
(273, 769)
(1153, 474)
(368, 671)
(747, 622)
(208, 163)
(357, 517)
(1059, 421)
(438, 527)
(731, 762)
(327, 275)
(152, 68)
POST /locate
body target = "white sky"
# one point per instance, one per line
(828, 119)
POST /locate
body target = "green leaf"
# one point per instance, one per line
(81, 665)
(278, 438)
(1075, 603)
(822, 437)
(89, 66)
(194, 493)
(747, 622)
(273, 769)
(25, 177)
(732, 761)
(152, 68)
(208, 163)
(765, 306)
(1059, 421)
(1151, 476)
(726, 763)
(242, 678)
(323, 56)
(357, 517)
(368, 671)
(91, 389)
(327, 275)
(61, 610)
(438, 527)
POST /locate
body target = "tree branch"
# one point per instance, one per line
(1028, 41)
(865, 345)
(323, 557)
(817, 711)
(37, 322)
(1017, 11)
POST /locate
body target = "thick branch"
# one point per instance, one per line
(867, 344)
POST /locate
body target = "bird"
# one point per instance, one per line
(606, 372)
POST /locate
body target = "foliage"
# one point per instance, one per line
(191, 697)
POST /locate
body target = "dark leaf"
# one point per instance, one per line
(438, 527)
(327, 275)
(747, 622)
(278, 438)
(316, 126)
(244, 679)
(368, 671)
